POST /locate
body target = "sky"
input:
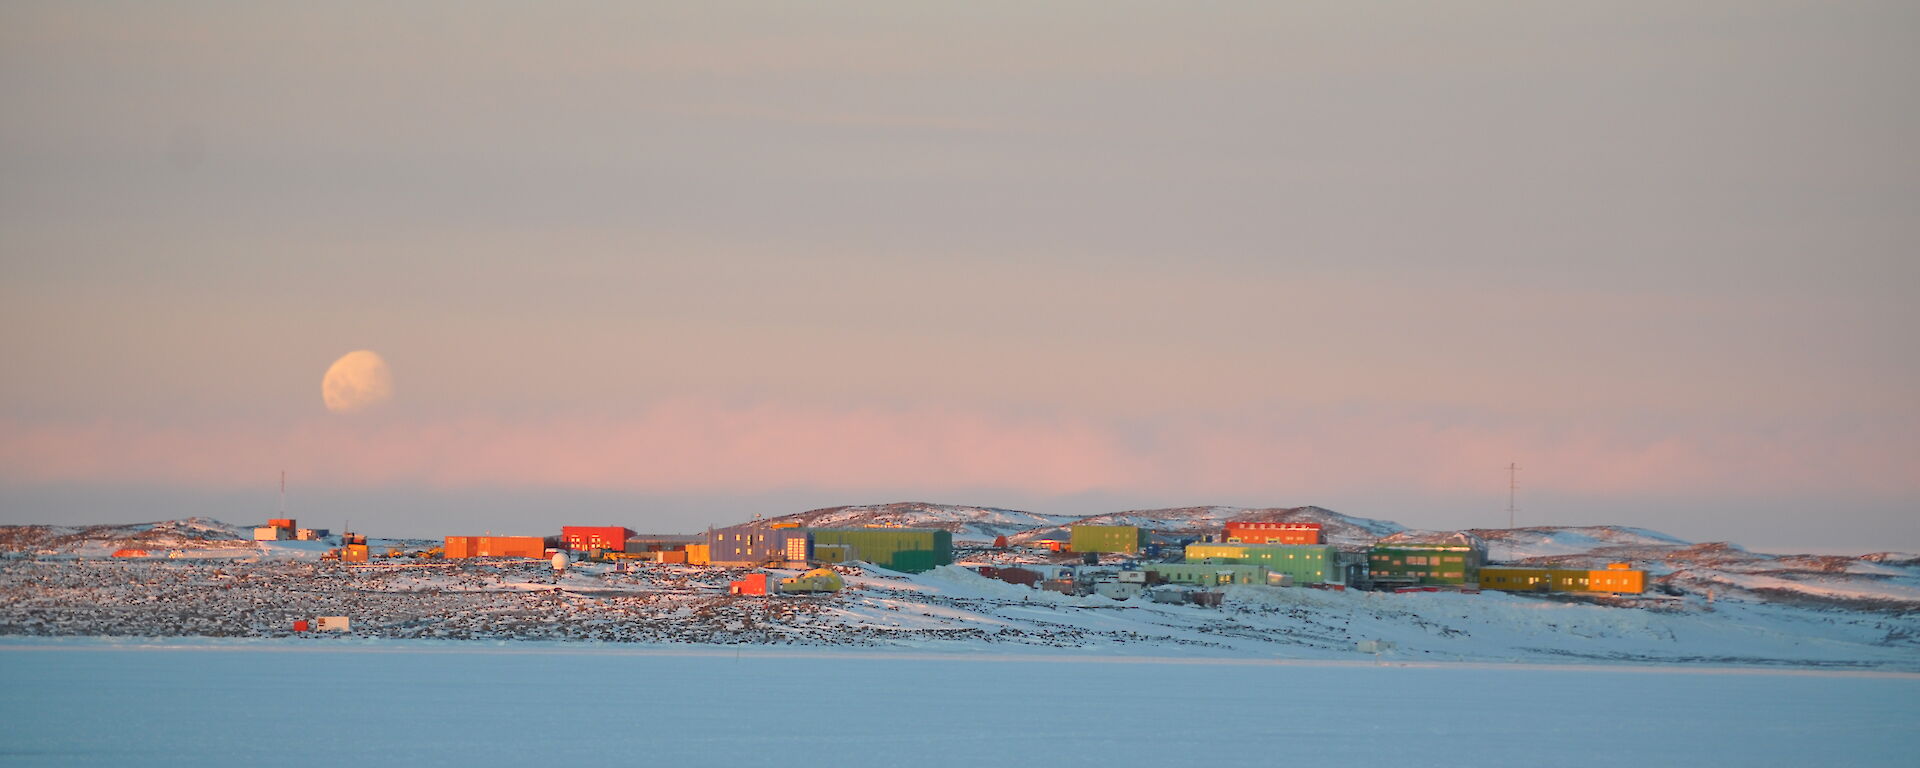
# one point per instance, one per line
(672, 265)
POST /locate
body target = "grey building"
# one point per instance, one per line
(757, 544)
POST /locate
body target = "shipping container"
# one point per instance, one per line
(1020, 576)
(511, 546)
(333, 624)
(281, 522)
(129, 553)
(457, 547)
(678, 557)
(1123, 539)
(698, 554)
(753, 584)
(1173, 595)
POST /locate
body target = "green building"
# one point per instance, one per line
(1427, 559)
(1306, 563)
(1108, 538)
(1212, 574)
(912, 550)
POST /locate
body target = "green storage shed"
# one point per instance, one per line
(912, 550)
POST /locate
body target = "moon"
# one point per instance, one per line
(357, 381)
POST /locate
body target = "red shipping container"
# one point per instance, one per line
(300, 626)
(280, 522)
(753, 584)
(1020, 576)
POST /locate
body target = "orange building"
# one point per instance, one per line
(1618, 577)
(496, 546)
(1248, 532)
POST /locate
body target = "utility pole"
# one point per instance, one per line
(1513, 484)
(283, 493)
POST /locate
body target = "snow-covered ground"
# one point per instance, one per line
(949, 609)
(284, 702)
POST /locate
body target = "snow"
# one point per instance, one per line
(947, 609)
(1840, 586)
(245, 703)
(1512, 545)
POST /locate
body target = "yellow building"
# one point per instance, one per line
(1619, 578)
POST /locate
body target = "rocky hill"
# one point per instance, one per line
(197, 533)
(971, 525)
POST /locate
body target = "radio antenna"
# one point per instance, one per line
(1513, 485)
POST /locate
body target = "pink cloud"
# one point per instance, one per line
(695, 446)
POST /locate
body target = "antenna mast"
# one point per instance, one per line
(1512, 485)
(283, 493)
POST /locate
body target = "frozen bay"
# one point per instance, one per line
(108, 703)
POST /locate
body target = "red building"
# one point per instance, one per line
(1241, 532)
(581, 538)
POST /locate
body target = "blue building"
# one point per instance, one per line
(757, 544)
